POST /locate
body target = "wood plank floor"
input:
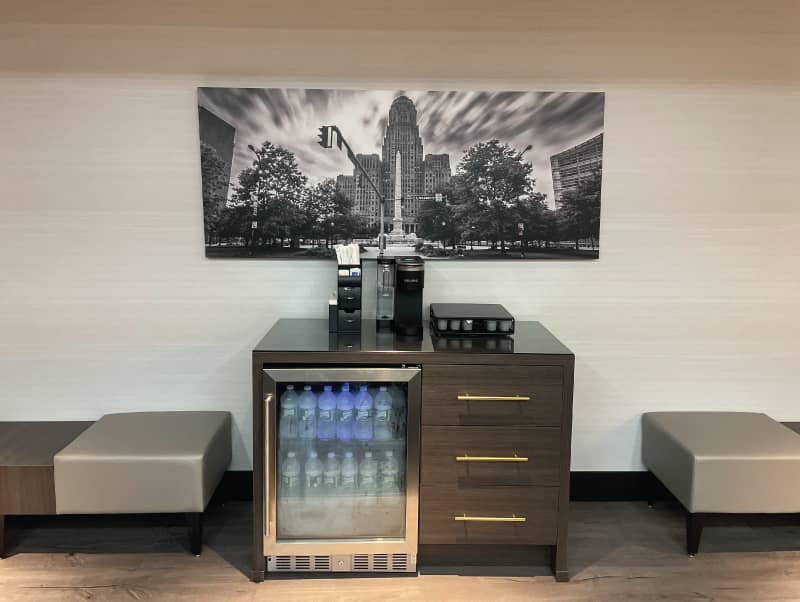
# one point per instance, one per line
(619, 551)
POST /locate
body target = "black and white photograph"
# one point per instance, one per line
(460, 175)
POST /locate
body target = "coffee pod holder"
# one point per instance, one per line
(345, 315)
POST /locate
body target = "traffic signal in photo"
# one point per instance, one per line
(324, 136)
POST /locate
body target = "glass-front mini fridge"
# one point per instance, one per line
(342, 469)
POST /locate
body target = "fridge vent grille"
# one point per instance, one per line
(380, 562)
(302, 563)
(357, 563)
(399, 562)
(361, 562)
(322, 563)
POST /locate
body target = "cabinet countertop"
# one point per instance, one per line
(312, 336)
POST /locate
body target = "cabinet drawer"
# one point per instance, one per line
(349, 297)
(519, 515)
(492, 395)
(467, 457)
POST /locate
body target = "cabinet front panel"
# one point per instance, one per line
(499, 515)
(467, 457)
(480, 395)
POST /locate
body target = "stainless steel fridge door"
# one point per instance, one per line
(375, 552)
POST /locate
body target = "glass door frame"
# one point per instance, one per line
(272, 377)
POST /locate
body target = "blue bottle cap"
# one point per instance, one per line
(362, 388)
(346, 387)
(328, 388)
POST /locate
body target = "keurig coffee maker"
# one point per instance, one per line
(410, 273)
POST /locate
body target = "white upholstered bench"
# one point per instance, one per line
(723, 463)
(131, 463)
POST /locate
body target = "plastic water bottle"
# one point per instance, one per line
(344, 411)
(332, 474)
(290, 474)
(287, 428)
(347, 484)
(368, 474)
(383, 415)
(398, 412)
(326, 419)
(307, 403)
(362, 427)
(389, 475)
(313, 474)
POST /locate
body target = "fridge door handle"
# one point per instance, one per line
(265, 504)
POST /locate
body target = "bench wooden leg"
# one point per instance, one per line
(694, 529)
(195, 520)
(651, 486)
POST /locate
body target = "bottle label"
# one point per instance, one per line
(367, 480)
(348, 480)
(288, 412)
(345, 415)
(382, 416)
(362, 415)
(314, 482)
(289, 481)
(308, 414)
(330, 480)
(326, 415)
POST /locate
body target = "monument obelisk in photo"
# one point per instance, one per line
(397, 220)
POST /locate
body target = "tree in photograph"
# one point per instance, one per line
(491, 180)
(328, 214)
(215, 189)
(440, 222)
(234, 224)
(579, 210)
(550, 227)
(532, 215)
(274, 188)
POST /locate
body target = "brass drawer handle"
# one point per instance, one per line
(514, 458)
(493, 398)
(491, 519)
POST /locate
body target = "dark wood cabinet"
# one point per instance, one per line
(519, 515)
(483, 456)
(496, 425)
(492, 395)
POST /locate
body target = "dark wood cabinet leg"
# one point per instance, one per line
(558, 562)
(195, 520)
(694, 529)
(2, 536)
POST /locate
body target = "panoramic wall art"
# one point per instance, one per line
(451, 175)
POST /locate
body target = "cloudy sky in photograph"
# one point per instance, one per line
(449, 122)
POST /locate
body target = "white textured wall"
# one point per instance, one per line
(107, 302)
